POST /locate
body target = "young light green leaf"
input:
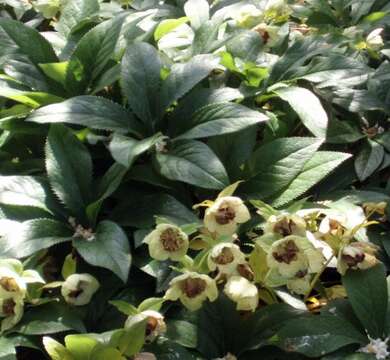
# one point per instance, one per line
(308, 107)
(194, 163)
(109, 248)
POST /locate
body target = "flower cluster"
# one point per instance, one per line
(13, 291)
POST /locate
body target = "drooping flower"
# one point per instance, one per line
(285, 224)
(11, 312)
(167, 242)
(293, 255)
(374, 39)
(78, 289)
(155, 324)
(225, 214)
(357, 255)
(243, 293)
(192, 289)
(225, 257)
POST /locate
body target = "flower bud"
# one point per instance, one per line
(243, 293)
(357, 255)
(192, 289)
(155, 324)
(223, 216)
(167, 242)
(225, 257)
(78, 289)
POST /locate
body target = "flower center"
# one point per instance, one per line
(225, 257)
(9, 284)
(9, 307)
(352, 261)
(245, 271)
(151, 325)
(193, 287)
(284, 227)
(171, 240)
(225, 215)
(301, 274)
(286, 253)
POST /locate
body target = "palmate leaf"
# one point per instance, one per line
(89, 111)
(194, 163)
(109, 249)
(219, 119)
(69, 168)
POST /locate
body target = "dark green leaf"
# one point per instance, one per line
(369, 159)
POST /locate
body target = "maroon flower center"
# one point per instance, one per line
(9, 284)
(193, 287)
(284, 227)
(286, 253)
(352, 261)
(171, 240)
(225, 257)
(9, 307)
(225, 215)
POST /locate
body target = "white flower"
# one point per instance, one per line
(299, 285)
(223, 216)
(176, 44)
(293, 256)
(11, 312)
(246, 15)
(155, 325)
(192, 289)
(269, 33)
(167, 242)
(374, 39)
(378, 347)
(285, 225)
(243, 293)
(225, 257)
(357, 255)
(78, 289)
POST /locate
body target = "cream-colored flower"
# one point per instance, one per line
(225, 257)
(192, 289)
(145, 356)
(357, 255)
(243, 293)
(300, 284)
(78, 289)
(374, 39)
(167, 242)
(223, 216)
(293, 255)
(269, 33)
(285, 224)
(11, 312)
(155, 324)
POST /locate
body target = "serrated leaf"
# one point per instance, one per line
(74, 12)
(109, 249)
(308, 107)
(275, 164)
(194, 163)
(89, 111)
(19, 39)
(92, 54)
(24, 239)
(220, 119)
(69, 168)
(24, 191)
(183, 77)
(125, 150)
(369, 159)
(316, 169)
(140, 70)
